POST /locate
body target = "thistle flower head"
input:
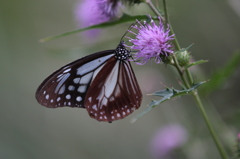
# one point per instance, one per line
(109, 8)
(167, 139)
(92, 12)
(151, 42)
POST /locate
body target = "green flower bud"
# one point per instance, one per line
(183, 58)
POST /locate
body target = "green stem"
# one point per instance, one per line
(154, 9)
(189, 75)
(168, 22)
(210, 127)
(186, 83)
(180, 71)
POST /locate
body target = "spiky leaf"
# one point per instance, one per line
(166, 94)
(197, 63)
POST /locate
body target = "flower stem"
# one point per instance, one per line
(168, 22)
(190, 81)
(189, 75)
(154, 9)
(176, 45)
(209, 125)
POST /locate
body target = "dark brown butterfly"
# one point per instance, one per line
(103, 83)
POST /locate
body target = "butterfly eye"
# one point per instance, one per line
(103, 83)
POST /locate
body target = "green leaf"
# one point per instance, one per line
(166, 94)
(220, 76)
(184, 49)
(197, 63)
(125, 18)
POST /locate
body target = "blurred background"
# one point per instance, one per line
(31, 131)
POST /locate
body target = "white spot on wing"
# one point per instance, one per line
(90, 99)
(86, 78)
(71, 88)
(67, 70)
(59, 76)
(68, 96)
(111, 99)
(47, 96)
(58, 99)
(104, 101)
(79, 98)
(82, 89)
(76, 80)
(95, 107)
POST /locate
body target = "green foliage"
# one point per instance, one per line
(166, 94)
(184, 49)
(125, 18)
(220, 76)
(197, 63)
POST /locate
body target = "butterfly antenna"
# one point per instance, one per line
(129, 28)
(134, 59)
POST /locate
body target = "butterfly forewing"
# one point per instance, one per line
(113, 94)
(68, 85)
(103, 83)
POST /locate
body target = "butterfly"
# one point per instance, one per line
(104, 83)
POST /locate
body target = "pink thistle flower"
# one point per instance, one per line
(167, 139)
(92, 12)
(238, 136)
(151, 41)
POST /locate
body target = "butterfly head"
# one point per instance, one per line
(121, 52)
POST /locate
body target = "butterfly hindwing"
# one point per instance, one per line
(114, 93)
(68, 85)
(103, 83)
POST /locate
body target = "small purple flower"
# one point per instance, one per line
(167, 139)
(152, 41)
(238, 136)
(92, 12)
